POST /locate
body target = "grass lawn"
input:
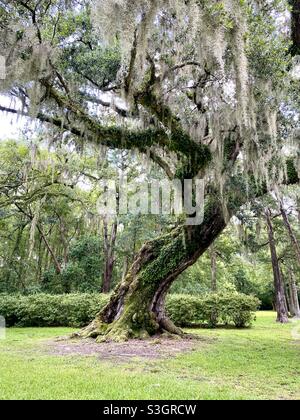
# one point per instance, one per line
(258, 363)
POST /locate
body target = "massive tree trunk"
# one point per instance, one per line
(280, 299)
(137, 308)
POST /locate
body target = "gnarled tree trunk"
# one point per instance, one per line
(137, 307)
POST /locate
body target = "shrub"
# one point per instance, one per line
(9, 309)
(213, 309)
(74, 310)
(77, 310)
(183, 309)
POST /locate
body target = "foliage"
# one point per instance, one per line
(42, 310)
(72, 227)
(56, 193)
(141, 76)
(213, 309)
(76, 310)
(82, 273)
(238, 269)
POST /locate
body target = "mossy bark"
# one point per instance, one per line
(137, 307)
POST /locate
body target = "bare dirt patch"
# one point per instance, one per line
(122, 352)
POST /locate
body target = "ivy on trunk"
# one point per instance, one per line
(137, 307)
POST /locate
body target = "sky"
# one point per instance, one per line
(11, 126)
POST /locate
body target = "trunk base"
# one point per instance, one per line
(120, 331)
(284, 319)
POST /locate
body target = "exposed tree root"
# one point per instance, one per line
(120, 332)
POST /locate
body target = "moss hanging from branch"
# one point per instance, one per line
(185, 71)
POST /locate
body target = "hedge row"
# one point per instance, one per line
(77, 310)
(42, 310)
(213, 309)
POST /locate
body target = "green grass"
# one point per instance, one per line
(258, 363)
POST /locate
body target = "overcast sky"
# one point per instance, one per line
(10, 125)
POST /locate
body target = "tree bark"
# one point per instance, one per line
(294, 294)
(296, 246)
(109, 253)
(57, 265)
(137, 308)
(295, 27)
(286, 304)
(125, 267)
(214, 287)
(63, 237)
(298, 210)
(291, 233)
(289, 299)
(280, 299)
